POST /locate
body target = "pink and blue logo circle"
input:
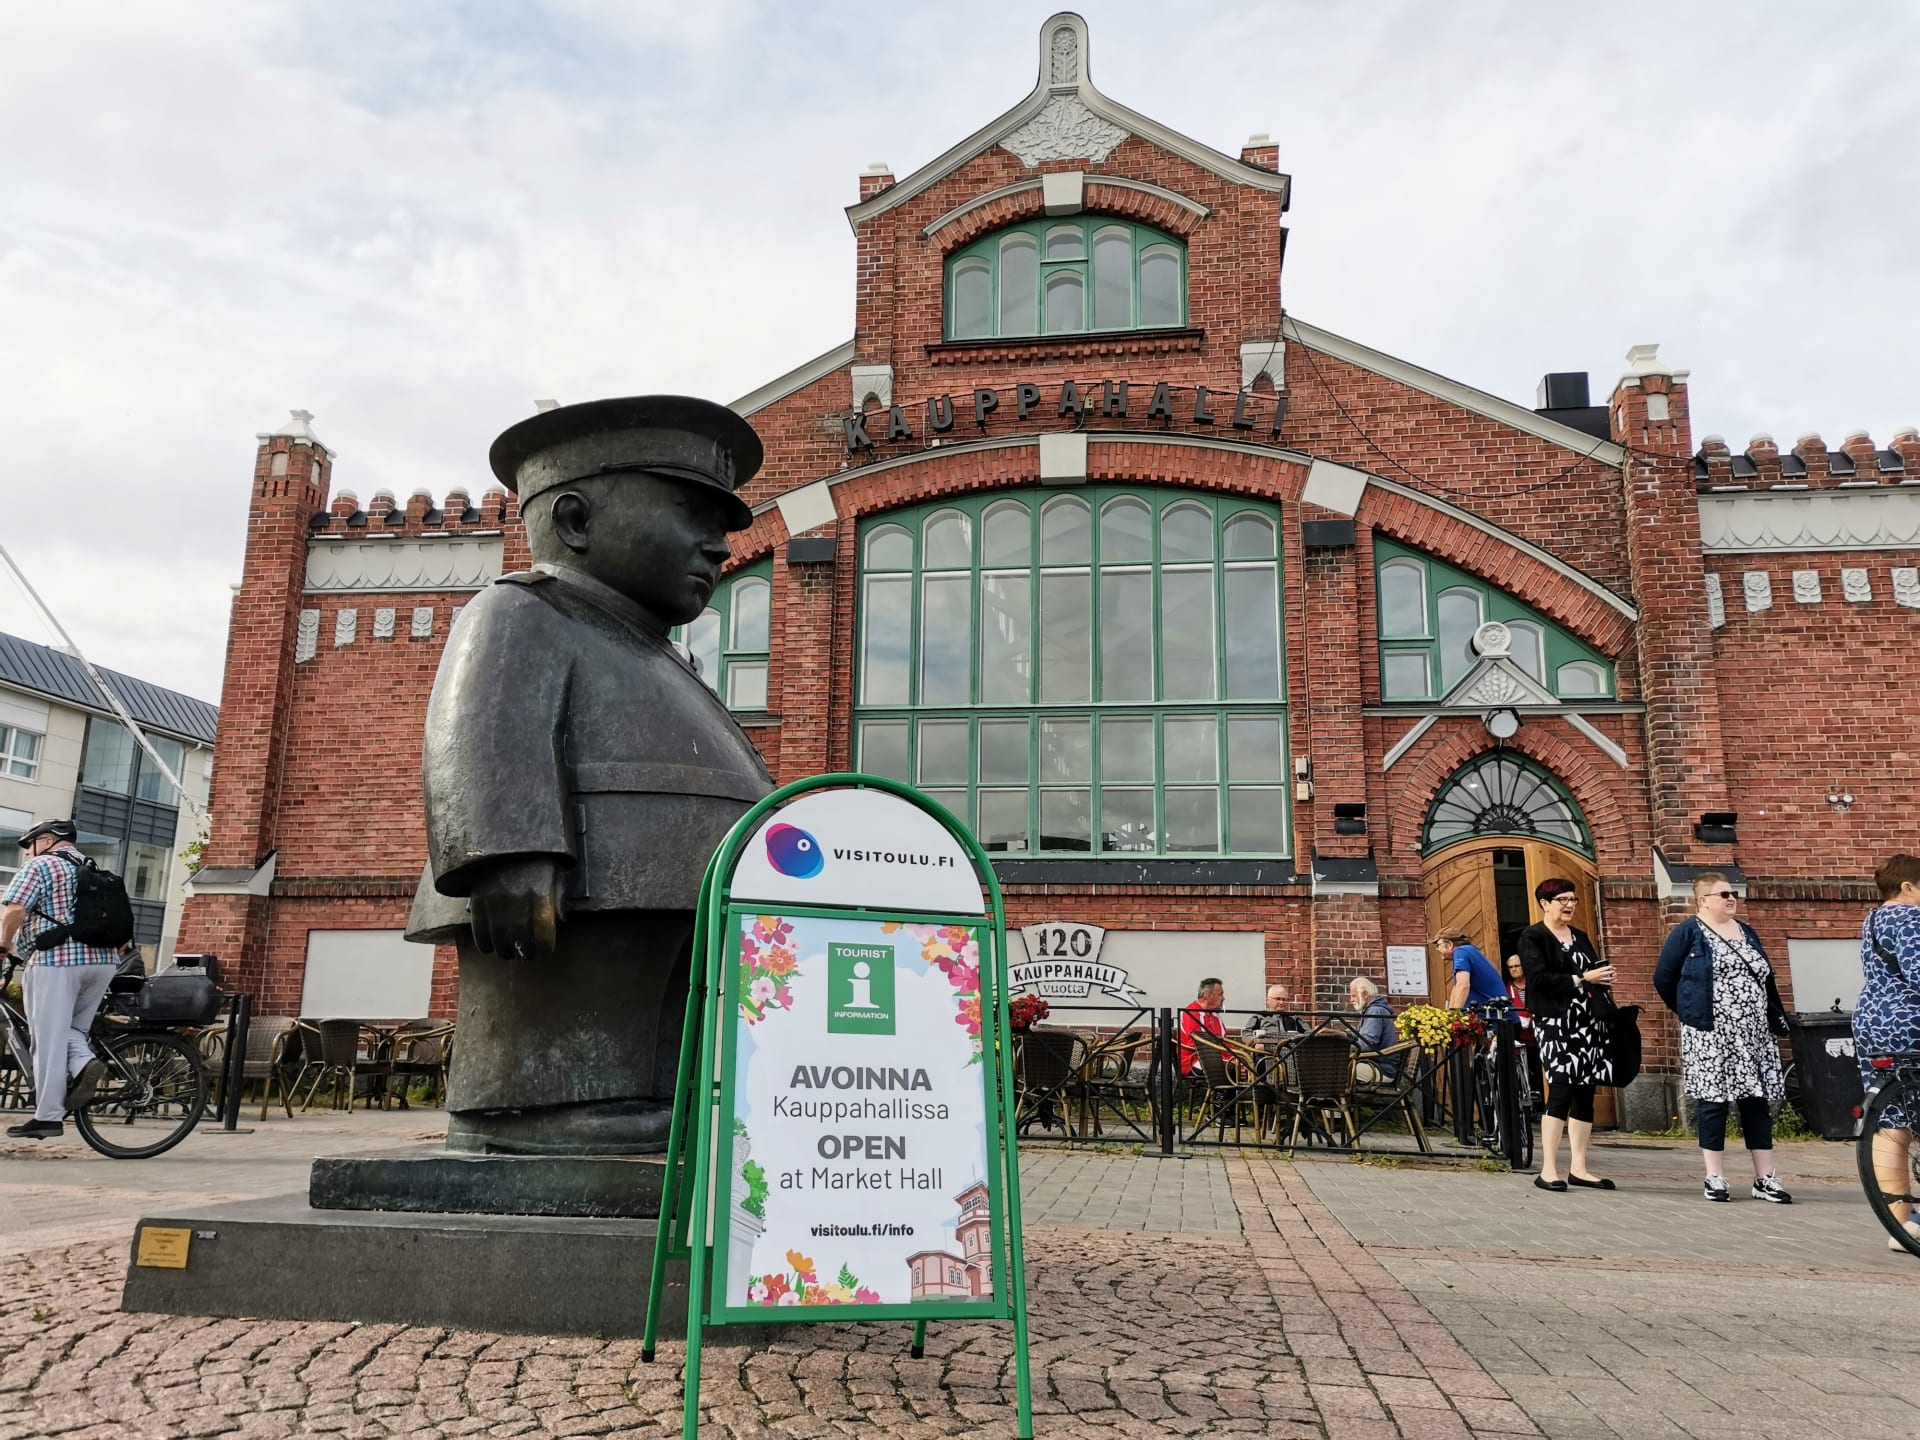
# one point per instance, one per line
(792, 851)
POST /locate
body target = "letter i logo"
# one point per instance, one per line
(860, 989)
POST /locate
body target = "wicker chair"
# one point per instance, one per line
(1321, 1073)
(1398, 1091)
(1228, 1074)
(422, 1049)
(1047, 1079)
(336, 1049)
(273, 1053)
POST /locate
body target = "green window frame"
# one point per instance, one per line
(1502, 792)
(731, 639)
(1426, 612)
(1070, 275)
(1096, 671)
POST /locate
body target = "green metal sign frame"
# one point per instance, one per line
(699, 1193)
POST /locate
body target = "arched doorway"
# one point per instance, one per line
(1498, 827)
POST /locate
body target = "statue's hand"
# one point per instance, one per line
(516, 909)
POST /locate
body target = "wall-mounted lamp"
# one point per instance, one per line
(1502, 724)
(1349, 819)
(1716, 827)
(1840, 803)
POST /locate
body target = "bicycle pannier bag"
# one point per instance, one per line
(174, 997)
(102, 914)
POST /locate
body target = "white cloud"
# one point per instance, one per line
(414, 219)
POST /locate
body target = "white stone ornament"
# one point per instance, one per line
(1492, 638)
(383, 624)
(306, 641)
(1496, 687)
(1906, 586)
(1064, 56)
(1759, 590)
(1806, 587)
(346, 628)
(1716, 603)
(1855, 585)
(382, 567)
(1065, 129)
(1877, 518)
(422, 622)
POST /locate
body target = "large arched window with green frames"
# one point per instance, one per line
(1428, 612)
(731, 640)
(1503, 792)
(1065, 276)
(1091, 672)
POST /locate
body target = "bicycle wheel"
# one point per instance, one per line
(1901, 1091)
(1486, 1098)
(153, 1105)
(1520, 1111)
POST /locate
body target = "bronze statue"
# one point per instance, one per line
(579, 775)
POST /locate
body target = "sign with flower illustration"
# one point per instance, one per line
(859, 1107)
(845, 1104)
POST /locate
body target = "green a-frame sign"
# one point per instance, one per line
(846, 1081)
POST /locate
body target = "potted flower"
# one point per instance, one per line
(1025, 1011)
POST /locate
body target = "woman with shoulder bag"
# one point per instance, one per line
(1714, 974)
(1567, 993)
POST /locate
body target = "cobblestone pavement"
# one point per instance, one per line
(1649, 1312)
(1275, 1322)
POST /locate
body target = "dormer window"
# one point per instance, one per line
(1066, 277)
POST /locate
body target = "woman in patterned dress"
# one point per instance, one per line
(1566, 991)
(1887, 1016)
(1714, 974)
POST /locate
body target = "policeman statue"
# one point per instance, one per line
(580, 774)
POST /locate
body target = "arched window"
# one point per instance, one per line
(1097, 672)
(730, 639)
(1064, 276)
(1504, 793)
(1427, 613)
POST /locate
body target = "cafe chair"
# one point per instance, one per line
(1231, 1091)
(1322, 1085)
(1045, 1079)
(1400, 1092)
(336, 1050)
(422, 1049)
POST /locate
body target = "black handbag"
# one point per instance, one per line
(1623, 1043)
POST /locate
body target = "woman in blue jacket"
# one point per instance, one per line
(1714, 974)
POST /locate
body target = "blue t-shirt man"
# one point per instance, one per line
(1475, 981)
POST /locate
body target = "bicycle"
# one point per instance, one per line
(1502, 1088)
(153, 1093)
(1898, 1088)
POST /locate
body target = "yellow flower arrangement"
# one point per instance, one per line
(1434, 1027)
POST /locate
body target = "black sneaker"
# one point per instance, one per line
(82, 1087)
(1767, 1187)
(1716, 1189)
(37, 1130)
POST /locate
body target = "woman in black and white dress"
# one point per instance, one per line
(1567, 993)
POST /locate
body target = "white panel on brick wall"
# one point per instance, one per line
(1760, 520)
(1167, 967)
(366, 975)
(385, 566)
(1824, 971)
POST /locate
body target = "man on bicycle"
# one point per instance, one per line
(65, 980)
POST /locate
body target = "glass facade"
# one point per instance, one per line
(1099, 672)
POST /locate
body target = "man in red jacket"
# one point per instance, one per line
(1202, 1014)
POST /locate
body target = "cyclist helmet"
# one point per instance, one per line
(62, 830)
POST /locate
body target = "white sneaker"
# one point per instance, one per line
(1768, 1187)
(1913, 1229)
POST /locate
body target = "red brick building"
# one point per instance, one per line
(1257, 648)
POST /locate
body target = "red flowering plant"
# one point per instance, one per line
(954, 951)
(1027, 1010)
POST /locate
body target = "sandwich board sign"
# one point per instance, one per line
(842, 1145)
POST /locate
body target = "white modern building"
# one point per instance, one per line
(63, 754)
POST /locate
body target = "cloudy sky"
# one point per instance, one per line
(414, 218)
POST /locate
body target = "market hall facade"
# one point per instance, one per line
(1245, 649)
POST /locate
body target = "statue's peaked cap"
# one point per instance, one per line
(677, 437)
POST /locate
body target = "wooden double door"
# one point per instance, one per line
(1485, 888)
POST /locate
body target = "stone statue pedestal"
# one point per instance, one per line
(529, 1245)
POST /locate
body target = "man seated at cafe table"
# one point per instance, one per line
(1202, 1013)
(1276, 1021)
(1374, 1032)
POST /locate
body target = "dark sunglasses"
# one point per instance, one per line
(1721, 895)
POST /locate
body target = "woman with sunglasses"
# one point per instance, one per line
(1714, 974)
(1567, 993)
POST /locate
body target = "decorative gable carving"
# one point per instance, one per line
(1065, 129)
(1494, 682)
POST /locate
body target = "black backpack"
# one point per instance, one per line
(102, 913)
